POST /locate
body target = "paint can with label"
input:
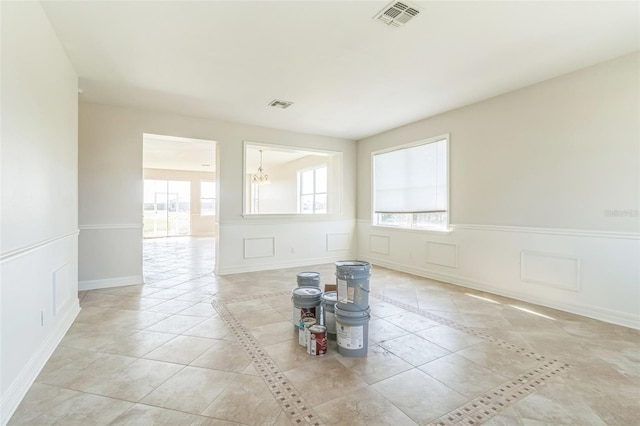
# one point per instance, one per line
(308, 279)
(303, 332)
(352, 279)
(352, 329)
(317, 340)
(329, 300)
(306, 303)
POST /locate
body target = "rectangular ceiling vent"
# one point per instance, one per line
(280, 104)
(397, 13)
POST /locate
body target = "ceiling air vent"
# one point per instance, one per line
(397, 13)
(280, 104)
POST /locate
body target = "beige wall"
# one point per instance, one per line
(554, 155)
(533, 175)
(39, 219)
(110, 189)
(200, 225)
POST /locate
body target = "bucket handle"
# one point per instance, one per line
(363, 289)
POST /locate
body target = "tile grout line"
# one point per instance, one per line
(483, 407)
(450, 323)
(282, 389)
(474, 412)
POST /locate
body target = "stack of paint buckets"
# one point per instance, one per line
(352, 310)
(341, 315)
(306, 300)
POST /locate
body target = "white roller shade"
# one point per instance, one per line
(411, 180)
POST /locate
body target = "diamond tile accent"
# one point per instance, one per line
(482, 408)
(476, 411)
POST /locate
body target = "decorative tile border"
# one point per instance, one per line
(474, 412)
(482, 408)
(282, 389)
(472, 331)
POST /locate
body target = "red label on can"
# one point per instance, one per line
(317, 340)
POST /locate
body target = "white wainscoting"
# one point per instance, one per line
(259, 247)
(339, 242)
(590, 273)
(550, 269)
(444, 254)
(110, 255)
(379, 244)
(257, 243)
(39, 301)
(110, 282)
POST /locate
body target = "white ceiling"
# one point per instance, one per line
(172, 153)
(348, 75)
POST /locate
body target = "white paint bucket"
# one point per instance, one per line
(329, 300)
(306, 303)
(352, 279)
(352, 329)
(308, 279)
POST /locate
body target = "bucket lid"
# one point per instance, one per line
(308, 321)
(353, 314)
(307, 292)
(330, 296)
(317, 328)
(309, 275)
(353, 264)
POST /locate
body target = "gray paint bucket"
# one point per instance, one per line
(352, 279)
(306, 303)
(352, 328)
(329, 300)
(308, 279)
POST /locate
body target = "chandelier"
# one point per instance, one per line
(261, 178)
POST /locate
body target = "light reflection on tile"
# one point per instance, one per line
(136, 342)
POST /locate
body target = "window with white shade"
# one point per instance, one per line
(411, 185)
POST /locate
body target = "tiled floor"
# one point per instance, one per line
(192, 348)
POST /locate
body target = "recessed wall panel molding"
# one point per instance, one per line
(444, 254)
(338, 242)
(61, 282)
(379, 244)
(259, 247)
(550, 269)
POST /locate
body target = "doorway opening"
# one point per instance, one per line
(179, 206)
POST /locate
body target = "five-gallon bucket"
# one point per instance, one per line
(352, 328)
(308, 279)
(306, 303)
(352, 278)
(329, 300)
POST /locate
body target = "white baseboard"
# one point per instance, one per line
(110, 282)
(606, 315)
(20, 386)
(238, 269)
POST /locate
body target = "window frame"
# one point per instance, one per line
(207, 198)
(299, 173)
(375, 217)
(335, 188)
